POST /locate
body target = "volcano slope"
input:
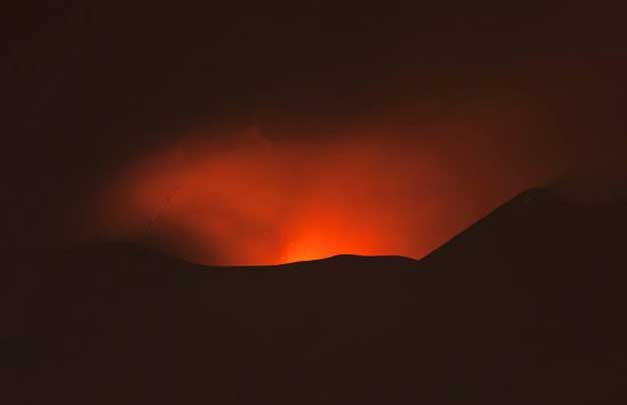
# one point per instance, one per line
(526, 306)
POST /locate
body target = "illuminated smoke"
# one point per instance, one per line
(258, 197)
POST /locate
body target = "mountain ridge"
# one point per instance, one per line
(519, 308)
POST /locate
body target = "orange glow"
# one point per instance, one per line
(253, 197)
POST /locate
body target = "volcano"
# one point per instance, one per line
(525, 306)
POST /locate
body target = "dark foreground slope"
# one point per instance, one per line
(527, 306)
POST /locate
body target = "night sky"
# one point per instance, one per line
(484, 98)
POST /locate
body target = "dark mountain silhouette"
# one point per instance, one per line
(526, 306)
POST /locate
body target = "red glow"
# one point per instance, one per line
(257, 199)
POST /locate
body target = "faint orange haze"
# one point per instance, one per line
(256, 196)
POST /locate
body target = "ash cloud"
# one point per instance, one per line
(262, 196)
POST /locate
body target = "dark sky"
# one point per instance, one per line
(89, 85)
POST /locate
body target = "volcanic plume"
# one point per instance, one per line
(259, 196)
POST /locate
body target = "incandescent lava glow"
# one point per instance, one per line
(251, 198)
